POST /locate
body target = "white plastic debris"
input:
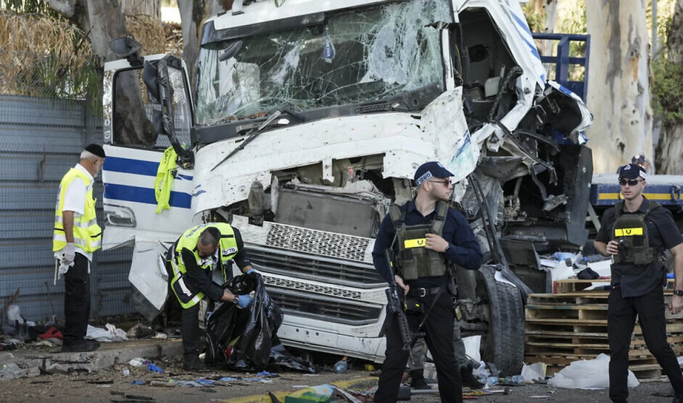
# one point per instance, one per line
(108, 335)
(534, 372)
(588, 374)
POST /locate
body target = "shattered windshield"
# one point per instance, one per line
(357, 56)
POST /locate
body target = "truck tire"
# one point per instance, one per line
(504, 344)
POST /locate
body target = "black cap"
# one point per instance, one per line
(632, 171)
(639, 159)
(95, 150)
(431, 169)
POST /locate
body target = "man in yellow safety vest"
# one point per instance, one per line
(76, 236)
(191, 262)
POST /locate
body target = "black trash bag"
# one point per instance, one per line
(246, 339)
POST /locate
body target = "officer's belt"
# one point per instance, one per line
(423, 292)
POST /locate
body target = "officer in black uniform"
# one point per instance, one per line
(427, 238)
(635, 233)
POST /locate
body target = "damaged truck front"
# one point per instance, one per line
(309, 121)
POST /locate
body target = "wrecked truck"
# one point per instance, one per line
(308, 120)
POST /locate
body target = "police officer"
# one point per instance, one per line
(635, 233)
(191, 262)
(427, 237)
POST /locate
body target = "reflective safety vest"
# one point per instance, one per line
(164, 180)
(227, 249)
(414, 260)
(630, 232)
(87, 234)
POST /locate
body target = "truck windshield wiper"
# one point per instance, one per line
(252, 135)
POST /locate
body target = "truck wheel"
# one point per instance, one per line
(504, 345)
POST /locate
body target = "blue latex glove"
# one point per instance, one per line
(244, 300)
(154, 368)
(251, 271)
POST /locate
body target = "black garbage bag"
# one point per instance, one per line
(246, 339)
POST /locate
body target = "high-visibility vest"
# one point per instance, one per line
(227, 249)
(164, 180)
(87, 234)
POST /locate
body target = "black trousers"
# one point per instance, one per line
(76, 301)
(621, 318)
(438, 329)
(189, 330)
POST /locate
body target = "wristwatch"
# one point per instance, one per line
(678, 292)
(236, 300)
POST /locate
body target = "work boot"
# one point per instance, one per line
(468, 379)
(417, 380)
(194, 365)
(80, 346)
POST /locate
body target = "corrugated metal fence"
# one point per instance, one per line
(40, 140)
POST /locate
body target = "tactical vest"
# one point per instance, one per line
(227, 249)
(630, 231)
(414, 260)
(87, 234)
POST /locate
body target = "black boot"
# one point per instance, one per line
(417, 380)
(194, 364)
(468, 380)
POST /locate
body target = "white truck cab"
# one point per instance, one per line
(308, 121)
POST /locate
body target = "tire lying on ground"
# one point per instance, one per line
(504, 341)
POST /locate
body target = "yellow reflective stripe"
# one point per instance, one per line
(415, 243)
(628, 231)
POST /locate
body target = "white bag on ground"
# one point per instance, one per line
(586, 374)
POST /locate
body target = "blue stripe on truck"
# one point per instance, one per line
(138, 167)
(144, 195)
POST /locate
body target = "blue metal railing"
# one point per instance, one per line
(562, 61)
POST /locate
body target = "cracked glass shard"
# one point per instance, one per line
(362, 56)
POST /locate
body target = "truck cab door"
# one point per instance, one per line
(145, 113)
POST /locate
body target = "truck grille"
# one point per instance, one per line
(324, 243)
(323, 308)
(316, 268)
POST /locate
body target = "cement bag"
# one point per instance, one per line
(586, 374)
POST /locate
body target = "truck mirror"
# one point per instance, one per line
(150, 76)
(127, 47)
(231, 50)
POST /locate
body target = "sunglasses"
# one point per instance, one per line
(630, 182)
(444, 182)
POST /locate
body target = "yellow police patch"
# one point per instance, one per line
(628, 231)
(415, 243)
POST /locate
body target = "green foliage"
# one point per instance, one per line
(667, 90)
(29, 7)
(534, 20)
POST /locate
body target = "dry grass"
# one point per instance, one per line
(48, 57)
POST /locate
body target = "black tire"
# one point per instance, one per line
(504, 345)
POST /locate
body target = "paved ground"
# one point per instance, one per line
(100, 377)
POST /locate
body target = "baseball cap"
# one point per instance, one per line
(632, 171)
(431, 169)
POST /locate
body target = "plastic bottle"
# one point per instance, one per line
(492, 380)
(517, 380)
(341, 366)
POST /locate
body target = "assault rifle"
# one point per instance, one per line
(396, 304)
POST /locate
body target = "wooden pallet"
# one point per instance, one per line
(571, 325)
(577, 285)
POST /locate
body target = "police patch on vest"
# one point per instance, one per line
(415, 243)
(628, 231)
(227, 252)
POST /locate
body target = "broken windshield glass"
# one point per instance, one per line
(356, 57)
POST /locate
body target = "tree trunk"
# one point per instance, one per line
(192, 14)
(619, 88)
(151, 8)
(103, 21)
(547, 9)
(670, 146)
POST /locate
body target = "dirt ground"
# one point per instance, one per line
(113, 386)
